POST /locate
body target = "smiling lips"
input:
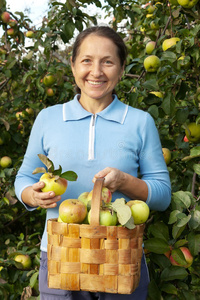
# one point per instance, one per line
(95, 82)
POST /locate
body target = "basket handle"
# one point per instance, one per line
(96, 201)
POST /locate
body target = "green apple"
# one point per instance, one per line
(140, 211)
(72, 211)
(53, 183)
(149, 8)
(24, 260)
(173, 2)
(152, 63)
(154, 26)
(107, 217)
(150, 46)
(30, 34)
(5, 162)
(193, 132)
(157, 94)
(187, 3)
(168, 43)
(83, 197)
(49, 80)
(5, 17)
(167, 155)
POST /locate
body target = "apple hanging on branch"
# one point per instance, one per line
(54, 180)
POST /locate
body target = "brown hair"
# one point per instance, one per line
(103, 31)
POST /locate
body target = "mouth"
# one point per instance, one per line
(95, 83)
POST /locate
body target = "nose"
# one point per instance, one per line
(96, 69)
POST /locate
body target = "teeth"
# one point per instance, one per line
(95, 82)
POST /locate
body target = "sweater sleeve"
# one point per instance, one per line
(153, 168)
(24, 177)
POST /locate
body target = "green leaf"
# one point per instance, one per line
(69, 175)
(173, 273)
(58, 171)
(176, 231)
(153, 291)
(159, 230)
(169, 56)
(194, 243)
(183, 221)
(173, 216)
(156, 245)
(153, 110)
(194, 222)
(178, 256)
(11, 64)
(196, 168)
(130, 224)
(30, 73)
(169, 288)
(151, 84)
(34, 279)
(182, 197)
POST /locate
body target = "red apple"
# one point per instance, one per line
(12, 23)
(185, 139)
(49, 92)
(5, 17)
(188, 257)
(10, 32)
(72, 211)
(106, 195)
(52, 183)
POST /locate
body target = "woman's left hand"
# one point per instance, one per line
(114, 178)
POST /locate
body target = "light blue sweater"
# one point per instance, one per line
(120, 136)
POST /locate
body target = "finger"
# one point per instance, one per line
(49, 203)
(38, 185)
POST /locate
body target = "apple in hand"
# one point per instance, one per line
(140, 211)
(167, 155)
(72, 211)
(53, 183)
(24, 260)
(5, 162)
(106, 195)
(193, 132)
(107, 217)
(152, 63)
(187, 255)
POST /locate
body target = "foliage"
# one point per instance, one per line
(24, 62)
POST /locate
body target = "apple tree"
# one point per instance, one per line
(35, 73)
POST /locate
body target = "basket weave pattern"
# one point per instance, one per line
(93, 257)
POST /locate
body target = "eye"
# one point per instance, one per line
(108, 62)
(86, 60)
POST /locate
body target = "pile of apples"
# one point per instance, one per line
(119, 212)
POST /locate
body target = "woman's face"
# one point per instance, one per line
(97, 68)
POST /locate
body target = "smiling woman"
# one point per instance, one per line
(96, 135)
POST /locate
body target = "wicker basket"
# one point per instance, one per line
(92, 257)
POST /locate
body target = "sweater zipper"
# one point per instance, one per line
(91, 138)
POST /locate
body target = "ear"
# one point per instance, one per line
(72, 65)
(122, 71)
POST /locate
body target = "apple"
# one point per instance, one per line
(185, 139)
(150, 46)
(1, 141)
(168, 43)
(53, 183)
(106, 195)
(30, 34)
(5, 17)
(187, 255)
(49, 92)
(24, 259)
(187, 3)
(72, 211)
(12, 23)
(149, 8)
(83, 197)
(5, 162)
(152, 63)
(157, 94)
(173, 2)
(59, 220)
(167, 155)
(19, 115)
(107, 217)
(49, 80)
(168, 253)
(140, 211)
(193, 132)
(30, 111)
(10, 32)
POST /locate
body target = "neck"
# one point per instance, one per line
(94, 105)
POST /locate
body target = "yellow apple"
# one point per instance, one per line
(24, 260)
(52, 183)
(168, 43)
(83, 197)
(5, 162)
(150, 46)
(30, 34)
(152, 63)
(187, 3)
(72, 211)
(193, 132)
(140, 211)
(167, 155)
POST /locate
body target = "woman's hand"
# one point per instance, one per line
(125, 183)
(114, 178)
(33, 196)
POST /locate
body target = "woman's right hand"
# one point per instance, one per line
(34, 197)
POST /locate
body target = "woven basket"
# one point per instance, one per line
(92, 257)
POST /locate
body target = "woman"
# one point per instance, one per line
(95, 135)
